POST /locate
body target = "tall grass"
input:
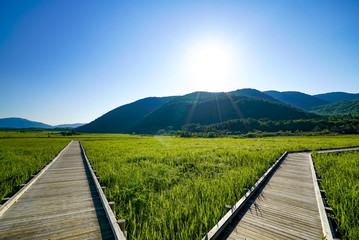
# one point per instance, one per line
(176, 188)
(165, 187)
(340, 181)
(20, 158)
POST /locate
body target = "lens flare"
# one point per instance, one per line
(210, 64)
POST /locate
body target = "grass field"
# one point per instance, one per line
(176, 188)
(20, 158)
(165, 187)
(25, 153)
(340, 181)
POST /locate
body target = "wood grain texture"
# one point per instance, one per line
(62, 204)
(285, 207)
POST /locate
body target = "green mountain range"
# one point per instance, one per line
(24, 123)
(152, 114)
(297, 99)
(344, 108)
(21, 123)
(228, 109)
(337, 96)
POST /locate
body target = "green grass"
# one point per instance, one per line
(165, 187)
(20, 158)
(340, 181)
(176, 188)
(23, 154)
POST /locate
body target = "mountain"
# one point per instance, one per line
(217, 107)
(198, 107)
(297, 99)
(250, 92)
(24, 123)
(73, 125)
(339, 108)
(21, 123)
(121, 119)
(337, 96)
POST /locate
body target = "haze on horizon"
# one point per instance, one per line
(65, 61)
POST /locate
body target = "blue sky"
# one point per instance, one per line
(65, 61)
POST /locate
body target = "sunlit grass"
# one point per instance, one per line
(165, 187)
(23, 154)
(340, 181)
(175, 188)
(20, 158)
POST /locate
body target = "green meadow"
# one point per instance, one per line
(22, 157)
(340, 181)
(23, 154)
(165, 187)
(177, 188)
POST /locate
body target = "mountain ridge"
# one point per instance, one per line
(297, 99)
(123, 117)
(16, 122)
(251, 92)
(333, 97)
(196, 107)
(344, 108)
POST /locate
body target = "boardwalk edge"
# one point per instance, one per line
(17, 195)
(227, 218)
(109, 213)
(327, 230)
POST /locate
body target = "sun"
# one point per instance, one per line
(210, 64)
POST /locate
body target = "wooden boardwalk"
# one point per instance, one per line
(284, 208)
(339, 150)
(63, 203)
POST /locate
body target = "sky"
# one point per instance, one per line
(66, 61)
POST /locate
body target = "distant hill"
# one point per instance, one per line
(21, 123)
(345, 108)
(122, 119)
(73, 125)
(198, 107)
(25, 123)
(337, 96)
(250, 92)
(297, 99)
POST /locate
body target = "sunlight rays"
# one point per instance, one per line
(218, 108)
(193, 108)
(235, 107)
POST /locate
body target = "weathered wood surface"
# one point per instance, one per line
(284, 208)
(62, 204)
(339, 150)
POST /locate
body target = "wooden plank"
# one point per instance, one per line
(286, 208)
(221, 225)
(333, 150)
